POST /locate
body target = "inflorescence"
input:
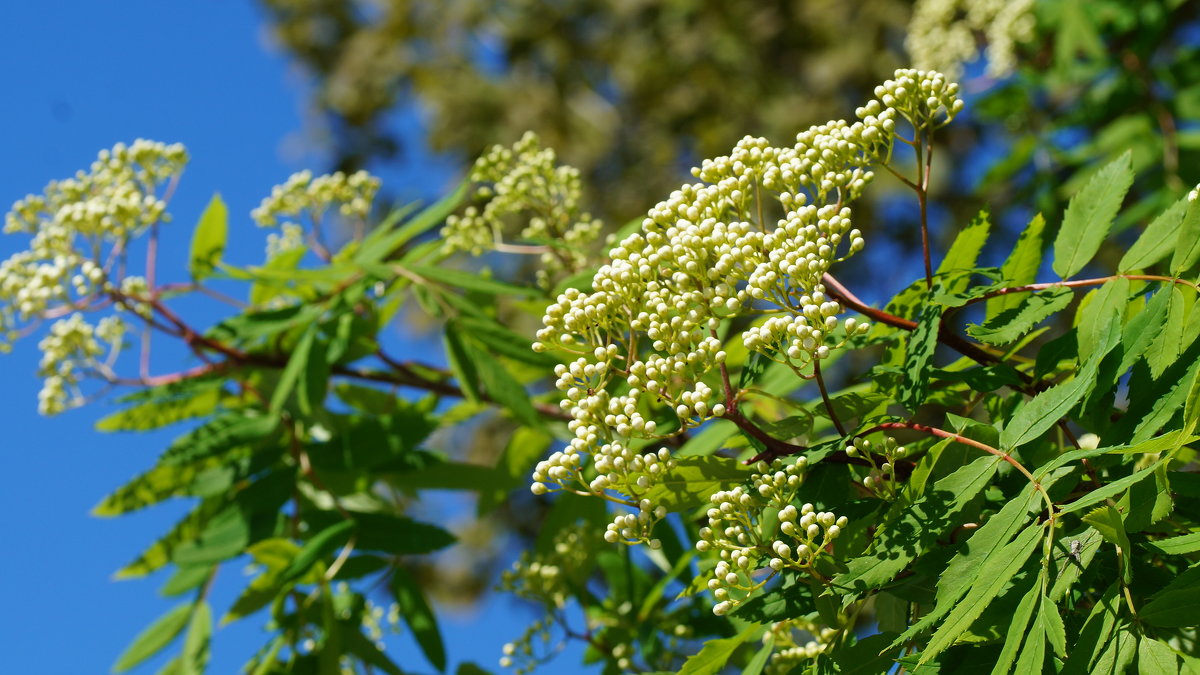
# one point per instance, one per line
(526, 193)
(645, 338)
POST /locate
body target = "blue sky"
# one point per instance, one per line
(78, 77)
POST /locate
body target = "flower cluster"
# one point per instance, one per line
(796, 641)
(744, 536)
(758, 233)
(353, 195)
(525, 191)
(72, 222)
(72, 347)
(546, 579)
(942, 33)
(881, 480)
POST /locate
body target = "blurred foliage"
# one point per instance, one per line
(629, 91)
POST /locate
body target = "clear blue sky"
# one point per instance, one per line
(77, 77)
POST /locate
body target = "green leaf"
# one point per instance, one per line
(1173, 608)
(1014, 323)
(755, 665)
(694, 479)
(195, 645)
(1047, 408)
(316, 548)
(461, 362)
(1143, 328)
(1180, 545)
(447, 276)
(1187, 248)
(295, 369)
(1165, 349)
(1052, 624)
(1089, 216)
(223, 537)
(918, 359)
(208, 240)
(964, 252)
(996, 572)
(1157, 241)
(1020, 267)
(791, 598)
(386, 239)
(1101, 306)
(1017, 628)
(1155, 656)
(713, 656)
(419, 617)
(154, 638)
(160, 412)
(500, 386)
(388, 533)
(185, 579)
(1033, 652)
(219, 435)
(917, 527)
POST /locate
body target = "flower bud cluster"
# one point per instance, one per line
(800, 339)
(544, 577)
(644, 338)
(796, 641)
(353, 195)
(924, 98)
(72, 347)
(524, 186)
(289, 238)
(942, 33)
(519, 654)
(746, 539)
(881, 480)
(619, 469)
(70, 223)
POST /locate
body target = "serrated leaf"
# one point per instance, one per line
(916, 527)
(158, 413)
(1020, 267)
(154, 638)
(964, 252)
(1052, 625)
(1155, 656)
(1012, 324)
(1187, 248)
(1143, 328)
(1165, 349)
(918, 358)
(694, 479)
(1044, 410)
(219, 435)
(208, 239)
(1180, 545)
(996, 572)
(1089, 216)
(1017, 628)
(1157, 241)
(419, 617)
(1033, 652)
(1103, 305)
